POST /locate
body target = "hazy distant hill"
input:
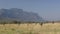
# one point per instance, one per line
(19, 14)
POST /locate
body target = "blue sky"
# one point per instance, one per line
(48, 9)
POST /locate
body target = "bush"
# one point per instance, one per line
(15, 22)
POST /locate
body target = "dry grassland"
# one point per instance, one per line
(47, 28)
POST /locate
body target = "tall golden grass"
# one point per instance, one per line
(33, 28)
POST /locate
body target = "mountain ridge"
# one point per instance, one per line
(19, 14)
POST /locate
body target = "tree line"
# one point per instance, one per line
(22, 22)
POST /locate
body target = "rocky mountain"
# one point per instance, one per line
(19, 14)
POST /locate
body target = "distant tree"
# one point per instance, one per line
(53, 22)
(15, 22)
(4, 23)
(41, 23)
(19, 22)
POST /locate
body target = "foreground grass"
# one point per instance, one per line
(48, 28)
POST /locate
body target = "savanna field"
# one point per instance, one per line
(33, 28)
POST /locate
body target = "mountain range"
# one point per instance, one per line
(19, 14)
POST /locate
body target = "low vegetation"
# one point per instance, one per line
(17, 27)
